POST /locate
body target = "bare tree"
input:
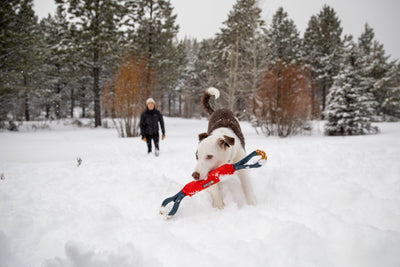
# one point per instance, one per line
(283, 103)
(125, 100)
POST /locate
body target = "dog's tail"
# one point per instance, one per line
(205, 99)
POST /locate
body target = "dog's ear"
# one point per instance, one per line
(202, 136)
(226, 142)
(229, 140)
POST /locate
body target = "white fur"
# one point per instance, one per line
(213, 91)
(210, 147)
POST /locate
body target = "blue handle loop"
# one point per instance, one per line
(176, 199)
(242, 163)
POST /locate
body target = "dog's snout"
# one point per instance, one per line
(196, 175)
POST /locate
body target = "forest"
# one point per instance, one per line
(101, 59)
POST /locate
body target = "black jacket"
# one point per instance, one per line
(149, 122)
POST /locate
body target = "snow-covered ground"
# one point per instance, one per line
(322, 201)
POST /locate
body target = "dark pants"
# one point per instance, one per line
(155, 138)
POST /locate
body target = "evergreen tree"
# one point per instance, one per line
(25, 55)
(154, 42)
(322, 45)
(391, 106)
(377, 72)
(30, 50)
(283, 39)
(61, 61)
(238, 60)
(200, 72)
(8, 58)
(97, 24)
(188, 81)
(284, 101)
(347, 110)
(206, 66)
(8, 38)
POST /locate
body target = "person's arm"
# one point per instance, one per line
(161, 119)
(142, 118)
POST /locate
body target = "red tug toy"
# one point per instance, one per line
(213, 177)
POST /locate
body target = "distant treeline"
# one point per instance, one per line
(103, 58)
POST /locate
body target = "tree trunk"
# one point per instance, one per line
(233, 73)
(72, 103)
(58, 101)
(26, 104)
(96, 89)
(26, 100)
(324, 93)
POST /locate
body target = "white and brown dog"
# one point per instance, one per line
(223, 143)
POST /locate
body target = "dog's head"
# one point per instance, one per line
(212, 152)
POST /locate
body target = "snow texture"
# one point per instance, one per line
(322, 201)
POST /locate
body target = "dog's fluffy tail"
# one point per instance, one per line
(205, 99)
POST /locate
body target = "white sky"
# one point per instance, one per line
(203, 18)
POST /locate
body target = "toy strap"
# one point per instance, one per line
(242, 163)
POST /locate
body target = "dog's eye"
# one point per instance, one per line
(197, 156)
(210, 156)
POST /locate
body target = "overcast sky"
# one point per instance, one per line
(203, 18)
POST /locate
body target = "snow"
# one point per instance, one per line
(322, 201)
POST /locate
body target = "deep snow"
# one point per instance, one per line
(322, 201)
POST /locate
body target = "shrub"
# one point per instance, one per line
(284, 103)
(125, 100)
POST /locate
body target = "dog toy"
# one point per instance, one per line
(213, 177)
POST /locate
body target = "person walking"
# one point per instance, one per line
(149, 130)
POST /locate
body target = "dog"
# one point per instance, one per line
(222, 143)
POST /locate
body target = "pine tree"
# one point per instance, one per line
(8, 34)
(283, 39)
(204, 74)
(23, 57)
(60, 71)
(188, 81)
(391, 105)
(8, 42)
(322, 45)
(347, 110)
(154, 42)
(238, 55)
(377, 72)
(97, 24)
(206, 66)
(284, 100)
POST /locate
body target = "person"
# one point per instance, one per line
(149, 126)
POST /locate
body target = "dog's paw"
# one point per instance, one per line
(219, 205)
(251, 202)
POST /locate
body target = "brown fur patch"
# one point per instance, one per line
(202, 136)
(229, 140)
(221, 118)
(226, 142)
(225, 118)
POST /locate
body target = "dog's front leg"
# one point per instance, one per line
(247, 187)
(216, 196)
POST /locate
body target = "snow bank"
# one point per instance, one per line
(322, 201)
